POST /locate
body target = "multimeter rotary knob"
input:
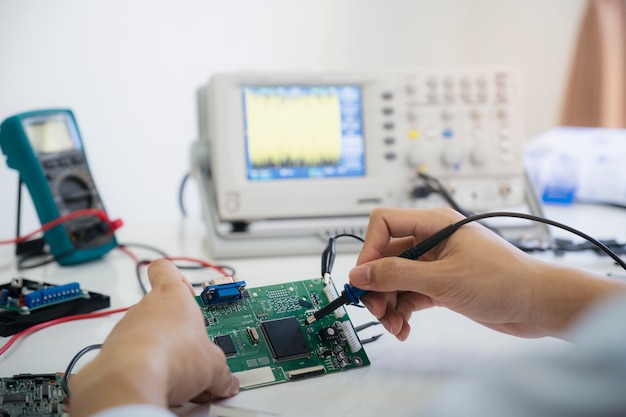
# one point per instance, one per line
(75, 193)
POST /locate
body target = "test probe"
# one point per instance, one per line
(352, 294)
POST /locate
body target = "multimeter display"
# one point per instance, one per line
(51, 133)
(46, 148)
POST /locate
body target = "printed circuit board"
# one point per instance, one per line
(265, 338)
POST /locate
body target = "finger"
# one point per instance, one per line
(410, 302)
(387, 223)
(397, 274)
(376, 302)
(225, 384)
(162, 273)
(207, 396)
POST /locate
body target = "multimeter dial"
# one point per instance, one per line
(75, 193)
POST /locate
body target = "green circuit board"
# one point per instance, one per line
(32, 395)
(266, 340)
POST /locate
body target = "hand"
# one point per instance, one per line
(159, 353)
(474, 272)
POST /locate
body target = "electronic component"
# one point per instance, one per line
(328, 333)
(285, 338)
(225, 342)
(254, 335)
(331, 294)
(24, 303)
(223, 290)
(46, 148)
(266, 338)
(32, 395)
(306, 372)
(362, 135)
(24, 298)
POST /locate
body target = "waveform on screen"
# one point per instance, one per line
(293, 131)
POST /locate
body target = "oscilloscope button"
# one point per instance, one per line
(64, 162)
(412, 116)
(50, 164)
(388, 110)
(387, 95)
(231, 201)
(390, 140)
(388, 126)
(391, 156)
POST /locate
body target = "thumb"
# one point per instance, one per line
(399, 274)
(163, 273)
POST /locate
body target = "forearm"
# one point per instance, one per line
(561, 295)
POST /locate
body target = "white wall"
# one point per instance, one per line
(129, 69)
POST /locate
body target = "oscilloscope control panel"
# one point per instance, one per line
(336, 144)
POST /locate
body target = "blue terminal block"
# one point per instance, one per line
(52, 295)
(223, 293)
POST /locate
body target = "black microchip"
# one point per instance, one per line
(285, 338)
(225, 342)
(14, 397)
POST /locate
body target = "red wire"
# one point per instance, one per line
(113, 224)
(177, 258)
(201, 262)
(65, 319)
(49, 323)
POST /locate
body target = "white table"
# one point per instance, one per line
(402, 376)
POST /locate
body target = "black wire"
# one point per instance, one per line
(26, 257)
(19, 206)
(138, 266)
(585, 236)
(366, 325)
(144, 246)
(371, 339)
(349, 235)
(181, 192)
(143, 262)
(66, 377)
(436, 186)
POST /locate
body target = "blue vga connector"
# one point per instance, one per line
(223, 290)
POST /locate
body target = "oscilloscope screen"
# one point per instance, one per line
(303, 132)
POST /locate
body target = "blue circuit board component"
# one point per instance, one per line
(25, 303)
(227, 292)
(24, 298)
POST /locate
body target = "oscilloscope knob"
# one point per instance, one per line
(479, 155)
(419, 155)
(452, 157)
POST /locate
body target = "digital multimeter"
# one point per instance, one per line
(45, 147)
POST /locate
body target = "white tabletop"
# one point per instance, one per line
(402, 376)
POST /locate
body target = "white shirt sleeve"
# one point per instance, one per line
(135, 410)
(585, 379)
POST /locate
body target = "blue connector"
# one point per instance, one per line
(52, 295)
(223, 293)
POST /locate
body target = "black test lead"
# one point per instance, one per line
(352, 294)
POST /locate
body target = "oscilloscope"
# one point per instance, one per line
(330, 147)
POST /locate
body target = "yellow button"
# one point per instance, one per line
(414, 134)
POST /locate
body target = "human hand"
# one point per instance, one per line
(159, 353)
(473, 272)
